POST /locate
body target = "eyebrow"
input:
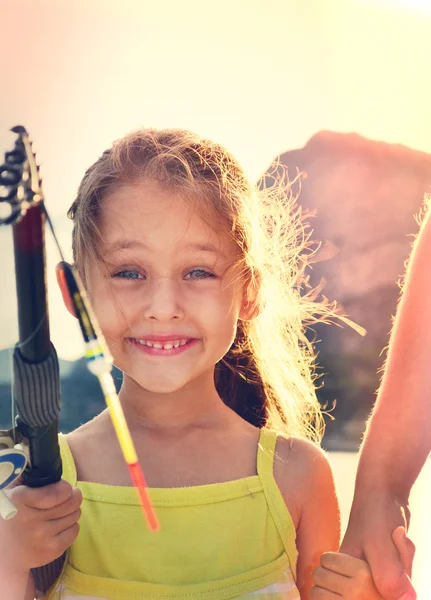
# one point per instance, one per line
(136, 244)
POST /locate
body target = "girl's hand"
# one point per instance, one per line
(341, 575)
(45, 526)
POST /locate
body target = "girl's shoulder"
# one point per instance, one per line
(301, 470)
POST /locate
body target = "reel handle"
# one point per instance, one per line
(12, 465)
(7, 509)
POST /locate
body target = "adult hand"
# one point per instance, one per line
(376, 533)
(349, 578)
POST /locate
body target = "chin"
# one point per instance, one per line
(160, 386)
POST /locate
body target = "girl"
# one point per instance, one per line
(195, 279)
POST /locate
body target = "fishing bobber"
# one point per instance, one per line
(12, 464)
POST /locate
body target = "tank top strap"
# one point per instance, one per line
(266, 453)
(274, 498)
(69, 468)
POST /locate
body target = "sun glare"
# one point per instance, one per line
(411, 5)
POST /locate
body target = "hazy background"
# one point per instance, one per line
(262, 78)
(259, 77)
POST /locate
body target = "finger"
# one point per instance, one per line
(66, 508)
(330, 581)
(69, 535)
(46, 497)
(406, 549)
(57, 526)
(340, 563)
(318, 593)
(63, 540)
(387, 570)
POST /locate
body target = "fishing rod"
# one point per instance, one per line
(36, 379)
(30, 449)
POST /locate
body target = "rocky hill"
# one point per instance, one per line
(366, 195)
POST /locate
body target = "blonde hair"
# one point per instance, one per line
(268, 375)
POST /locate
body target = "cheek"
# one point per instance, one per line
(218, 309)
(110, 309)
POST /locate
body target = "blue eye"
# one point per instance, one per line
(128, 275)
(198, 274)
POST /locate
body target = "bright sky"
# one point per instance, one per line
(259, 77)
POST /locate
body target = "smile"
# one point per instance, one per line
(159, 348)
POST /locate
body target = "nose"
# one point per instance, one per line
(163, 301)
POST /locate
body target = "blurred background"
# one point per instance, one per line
(337, 90)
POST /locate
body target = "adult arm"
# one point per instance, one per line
(398, 438)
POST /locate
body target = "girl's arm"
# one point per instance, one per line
(16, 585)
(309, 481)
(401, 421)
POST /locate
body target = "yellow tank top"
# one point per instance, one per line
(232, 540)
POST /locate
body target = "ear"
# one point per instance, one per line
(251, 306)
(64, 290)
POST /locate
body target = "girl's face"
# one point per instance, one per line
(165, 298)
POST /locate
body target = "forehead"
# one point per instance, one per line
(146, 212)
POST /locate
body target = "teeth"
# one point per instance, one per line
(167, 346)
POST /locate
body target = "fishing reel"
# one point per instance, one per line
(13, 461)
(19, 180)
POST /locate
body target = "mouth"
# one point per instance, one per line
(169, 347)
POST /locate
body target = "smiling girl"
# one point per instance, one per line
(197, 281)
